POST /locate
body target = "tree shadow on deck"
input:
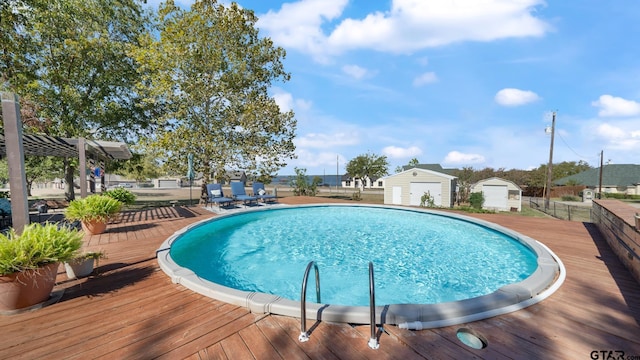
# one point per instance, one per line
(107, 279)
(159, 213)
(628, 286)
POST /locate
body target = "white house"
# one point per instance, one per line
(499, 194)
(356, 183)
(408, 187)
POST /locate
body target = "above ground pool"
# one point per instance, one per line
(430, 267)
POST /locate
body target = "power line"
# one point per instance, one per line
(580, 156)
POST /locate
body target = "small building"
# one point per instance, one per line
(408, 187)
(356, 183)
(231, 176)
(499, 194)
(611, 178)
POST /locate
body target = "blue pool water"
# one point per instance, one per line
(419, 258)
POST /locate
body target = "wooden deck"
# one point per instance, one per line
(131, 310)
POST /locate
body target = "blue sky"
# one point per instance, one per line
(458, 82)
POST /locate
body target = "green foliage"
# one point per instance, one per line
(473, 210)
(620, 196)
(140, 167)
(210, 70)
(5, 195)
(570, 198)
(413, 163)
(38, 245)
(69, 61)
(476, 199)
(367, 166)
(123, 195)
(426, 200)
(300, 185)
(93, 208)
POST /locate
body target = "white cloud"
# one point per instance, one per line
(298, 24)
(315, 140)
(355, 71)
(456, 157)
(515, 97)
(615, 106)
(426, 78)
(395, 152)
(408, 26)
(308, 159)
(619, 138)
(286, 101)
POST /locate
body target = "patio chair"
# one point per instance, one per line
(261, 193)
(239, 194)
(216, 196)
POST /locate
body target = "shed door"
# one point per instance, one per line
(417, 189)
(167, 183)
(495, 196)
(396, 197)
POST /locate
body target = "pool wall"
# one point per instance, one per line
(547, 278)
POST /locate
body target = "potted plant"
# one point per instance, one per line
(123, 195)
(93, 212)
(83, 264)
(29, 262)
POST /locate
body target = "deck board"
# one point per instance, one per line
(132, 310)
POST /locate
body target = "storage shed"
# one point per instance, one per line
(499, 194)
(408, 187)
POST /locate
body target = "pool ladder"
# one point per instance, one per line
(304, 334)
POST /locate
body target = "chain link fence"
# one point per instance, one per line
(562, 210)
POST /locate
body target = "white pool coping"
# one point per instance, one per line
(545, 280)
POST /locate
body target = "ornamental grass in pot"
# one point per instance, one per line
(93, 212)
(83, 264)
(29, 262)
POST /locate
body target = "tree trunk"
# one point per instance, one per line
(69, 189)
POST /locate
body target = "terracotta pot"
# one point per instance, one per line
(94, 227)
(79, 268)
(27, 288)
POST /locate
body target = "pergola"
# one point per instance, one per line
(14, 145)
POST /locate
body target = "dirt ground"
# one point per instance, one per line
(188, 195)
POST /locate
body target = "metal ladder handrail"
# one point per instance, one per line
(304, 335)
(373, 341)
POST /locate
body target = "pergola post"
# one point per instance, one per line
(15, 158)
(82, 157)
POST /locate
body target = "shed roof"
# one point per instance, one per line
(612, 175)
(432, 172)
(45, 145)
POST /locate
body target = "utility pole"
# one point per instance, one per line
(600, 182)
(550, 165)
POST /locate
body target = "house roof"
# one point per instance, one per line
(432, 167)
(45, 145)
(612, 175)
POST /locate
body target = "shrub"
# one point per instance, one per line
(427, 200)
(300, 185)
(121, 194)
(38, 245)
(570, 198)
(476, 199)
(93, 208)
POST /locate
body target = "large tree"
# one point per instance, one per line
(211, 71)
(77, 68)
(367, 166)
